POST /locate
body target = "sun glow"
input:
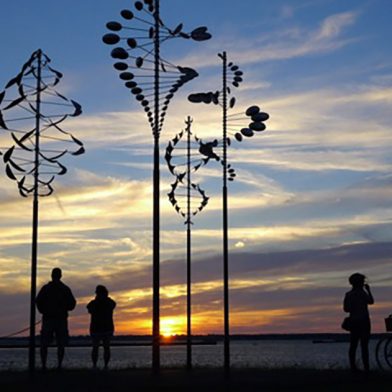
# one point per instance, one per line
(172, 326)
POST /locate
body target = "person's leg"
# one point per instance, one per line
(46, 338)
(44, 355)
(95, 351)
(60, 355)
(61, 339)
(354, 339)
(106, 351)
(365, 351)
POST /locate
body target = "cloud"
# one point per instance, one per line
(332, 26)
(296, 291)
(283, 44)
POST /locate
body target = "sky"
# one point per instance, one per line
(311, 203)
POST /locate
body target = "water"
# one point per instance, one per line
(259, 354)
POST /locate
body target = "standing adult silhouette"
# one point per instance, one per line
(54, 301)
(356, 303)
(101, 326)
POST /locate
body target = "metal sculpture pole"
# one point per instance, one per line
(226, 321)
(188, 250)
(151, 35)
(188, 210)
(34, 242)
(156, 207)
(220, 97)
(42, 167)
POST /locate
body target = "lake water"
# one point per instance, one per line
(261, 353)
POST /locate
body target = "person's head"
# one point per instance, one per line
(357, 280)
(101, 291)
(56, 274)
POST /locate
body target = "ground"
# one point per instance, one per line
(204, 380)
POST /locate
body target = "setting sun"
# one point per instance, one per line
(172, 326)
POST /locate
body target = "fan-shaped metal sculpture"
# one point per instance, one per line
(231, 125)
(187, 198)
(139, 60)
(153, 81)
(31, 111)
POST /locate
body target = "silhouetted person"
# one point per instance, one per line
(356, 303)
(54, 300)
(101, 326)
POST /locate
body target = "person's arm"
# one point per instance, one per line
(71, 301)
(90, 306)
(370, 295)
(39, 301)
(346, 304)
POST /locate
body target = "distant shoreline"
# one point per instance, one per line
(146, 340)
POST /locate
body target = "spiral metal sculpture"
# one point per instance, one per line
(31, 111)
(16, 113)
(233, 125)
(184, 190)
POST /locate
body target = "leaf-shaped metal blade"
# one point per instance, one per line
(9, 173)
(139, 62)
(79, 152)
(200, 34)
(114, 26)
(21, 145)
(63, 169)
(252, 110)
(15, 166)
(119, 53)
(77, 141)
(27, 136)
(8, 154)
(247, 132)
(78, 108)
(177, 29)
(127, 14)
(15, 102)
(15, 80)
(257, 126)
(260, 117)
(2, 123)
(238, 137)
(111, 39)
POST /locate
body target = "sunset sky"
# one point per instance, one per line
(312, 201)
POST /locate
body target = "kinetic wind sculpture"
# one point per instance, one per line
(153, 81)
(231, 125)
(187, 198)
(31, 111)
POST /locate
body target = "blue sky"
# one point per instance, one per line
(312, 193)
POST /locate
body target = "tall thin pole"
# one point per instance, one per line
(156, 209)
(34, 246)
(225, 225)
(188, 249)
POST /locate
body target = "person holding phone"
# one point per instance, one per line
(356, 303)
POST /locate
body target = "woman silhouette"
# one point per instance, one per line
(101, 326)
(356, 303)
